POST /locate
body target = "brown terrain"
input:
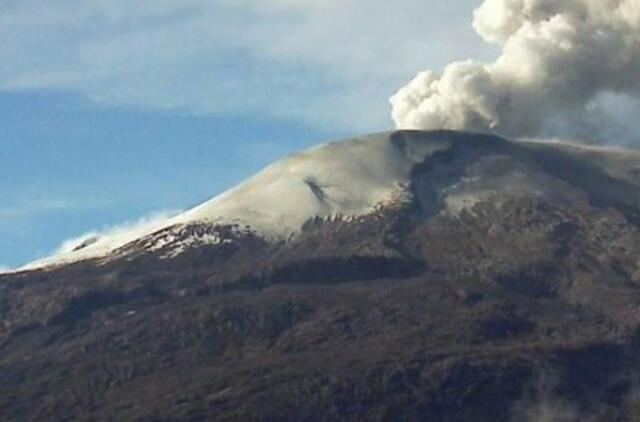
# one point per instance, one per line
(523, 304)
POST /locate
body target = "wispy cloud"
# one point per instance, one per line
(330, 61)
(39, 207)
(99, 242)
(17, 218)
(120, 232)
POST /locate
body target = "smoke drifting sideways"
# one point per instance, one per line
(560, 61)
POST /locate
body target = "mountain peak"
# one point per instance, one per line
(421, 275)
(351, 178)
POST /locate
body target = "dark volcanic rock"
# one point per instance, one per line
(519, 305)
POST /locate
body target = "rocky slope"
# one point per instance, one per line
(485, 280)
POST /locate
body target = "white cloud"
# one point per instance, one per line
(327, 62)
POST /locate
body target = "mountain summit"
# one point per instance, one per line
(411, 275)
(352, 178)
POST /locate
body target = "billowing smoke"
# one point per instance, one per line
(558, 58)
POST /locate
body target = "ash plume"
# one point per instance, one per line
(557, 59)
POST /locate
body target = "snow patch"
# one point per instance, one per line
(173, 241)
(5, 269)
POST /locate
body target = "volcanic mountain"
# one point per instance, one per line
(432, 276)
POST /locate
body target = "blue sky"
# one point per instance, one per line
(110, 112)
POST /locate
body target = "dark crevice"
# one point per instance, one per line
(332, 271)
(85, 305)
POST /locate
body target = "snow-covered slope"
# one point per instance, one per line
(348, 178)
(353, 177)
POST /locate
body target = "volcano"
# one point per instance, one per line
(431, 276)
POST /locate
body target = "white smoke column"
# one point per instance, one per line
(557, 57)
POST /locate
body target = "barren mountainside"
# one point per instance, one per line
(431, 276)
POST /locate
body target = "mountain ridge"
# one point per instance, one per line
(307, 185)
(506, 286)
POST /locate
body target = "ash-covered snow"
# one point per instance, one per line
(341, 178)
(348, 178)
